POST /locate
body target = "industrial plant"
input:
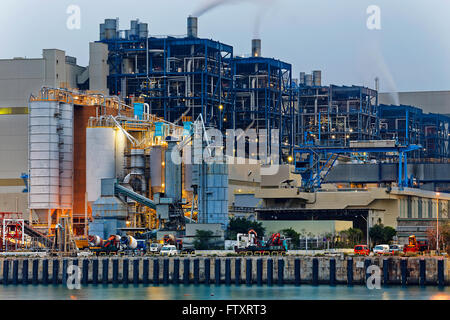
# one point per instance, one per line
(113, 156)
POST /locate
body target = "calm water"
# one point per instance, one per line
(203, 292)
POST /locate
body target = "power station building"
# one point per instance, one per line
(137, 88)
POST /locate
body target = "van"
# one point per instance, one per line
(168, 250)
(381, 249)
(155, 247)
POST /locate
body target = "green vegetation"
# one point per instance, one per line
(294, 236)
(202, 239)
(242, 225)
(380, 234)
(351, 237)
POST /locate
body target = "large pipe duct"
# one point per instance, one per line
(192, 27)
(256, 48)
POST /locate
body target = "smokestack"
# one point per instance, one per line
(256, 48)
(317, 78)
(192, 27)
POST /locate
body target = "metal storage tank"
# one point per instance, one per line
(143, 30)
(156, 159)
(301, 80)
(43, 146)
(173, 188)
(317, 78)
(137, 166)
(308, 80)
(111, 28)
(192, 27)
(134, 30)
(217, 194)
(66, 156)
(102, 32)
(100, 159)
(121, 144)
(188, 177)
(213, 197)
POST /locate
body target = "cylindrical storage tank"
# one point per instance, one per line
(100, 159)
(256, 48)
(192, 27)
(102, 32)
(121, 144)
(43, 146)
(134, 31)
(317, 78)
(188, 177)
(156, 160)
(308, 80)
(173, 183)
(110, 28)
(215, 208)
(143, 30)
(66, 156)
(137, 160)
(301, 80)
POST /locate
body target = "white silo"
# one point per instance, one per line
(66, 156)
(43, 155)
(100, 159)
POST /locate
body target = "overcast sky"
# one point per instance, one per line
(411, 51)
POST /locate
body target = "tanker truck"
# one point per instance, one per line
(131, 245)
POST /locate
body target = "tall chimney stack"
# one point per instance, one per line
(256, 48)
(192, 27)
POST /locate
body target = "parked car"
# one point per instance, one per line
(155, 247)
(362, 249)
(168, 250)
(394, 248)
(188, 249)
(381, 249)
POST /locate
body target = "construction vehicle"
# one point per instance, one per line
(170, 239)
(249, 243)
(415, 246)
(131, 245)
(97, 245)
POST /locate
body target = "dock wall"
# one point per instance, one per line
(225, 270)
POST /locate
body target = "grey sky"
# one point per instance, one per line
(410, 52)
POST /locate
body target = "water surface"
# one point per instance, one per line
(212, 292)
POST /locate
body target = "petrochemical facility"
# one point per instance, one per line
(90, 153)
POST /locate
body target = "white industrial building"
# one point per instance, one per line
(20, 78)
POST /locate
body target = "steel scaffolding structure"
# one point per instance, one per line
(263, 98)
(409, 125)
(178, 77)
(336, 115)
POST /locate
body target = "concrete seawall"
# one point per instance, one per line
(226, 270)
